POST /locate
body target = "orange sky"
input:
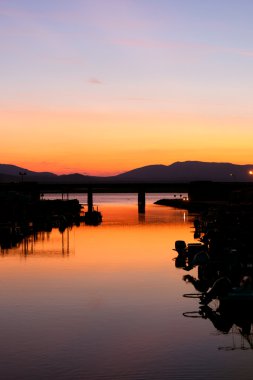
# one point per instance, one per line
(110, 142)
(105, 87)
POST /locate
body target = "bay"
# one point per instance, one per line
(106, 302)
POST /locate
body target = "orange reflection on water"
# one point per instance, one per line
(114, 299)
(118, 247)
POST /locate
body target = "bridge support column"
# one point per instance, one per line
(141, 202)
(90, 200)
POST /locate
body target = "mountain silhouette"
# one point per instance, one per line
(190, 171)
(16, 170)
(187, 171)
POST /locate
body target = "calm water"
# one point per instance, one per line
(106, 303)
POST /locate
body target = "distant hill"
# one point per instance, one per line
(187, 171)
(14, 170)
(13, 173)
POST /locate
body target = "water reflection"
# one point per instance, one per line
(223, 273)
(38, 243)
(110, 308)
(233, 319)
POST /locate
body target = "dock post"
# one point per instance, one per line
(90, 200)
(141, 202)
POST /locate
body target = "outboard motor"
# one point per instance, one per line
(180, 246)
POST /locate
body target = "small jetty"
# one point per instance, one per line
(24, 213)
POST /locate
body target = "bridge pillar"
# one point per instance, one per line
(141, 202)
(90, 200)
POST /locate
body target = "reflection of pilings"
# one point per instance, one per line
(27, 246)
(63, 249)
(90, 200)
(141, 202)
(62, 244)
(141, 218)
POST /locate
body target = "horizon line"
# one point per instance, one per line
(60, 173)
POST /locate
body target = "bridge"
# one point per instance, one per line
(116, 187)
(197, 191)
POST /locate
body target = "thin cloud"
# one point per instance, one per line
(95, 81)
(181, 46)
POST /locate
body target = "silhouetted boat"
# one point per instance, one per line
(237, 301)
(93, 218)
(190, 248)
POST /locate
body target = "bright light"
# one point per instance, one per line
(251, 172)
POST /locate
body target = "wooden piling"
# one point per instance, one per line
(141, 202)
(90, 200)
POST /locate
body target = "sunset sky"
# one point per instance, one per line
(105, 86)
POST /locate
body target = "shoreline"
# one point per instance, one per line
(192, 206)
